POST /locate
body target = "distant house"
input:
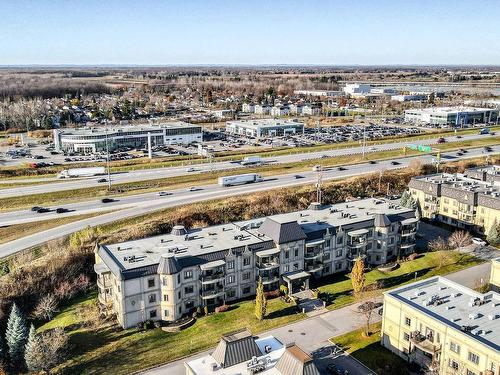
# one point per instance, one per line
(296, 108)
(280, 110)
(262, 109)
(311, 110)
(248, 107)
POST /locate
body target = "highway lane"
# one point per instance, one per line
(157, 173)
(146, 203)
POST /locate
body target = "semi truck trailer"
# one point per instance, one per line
(240, 179)
(81, 172)
(249, 160)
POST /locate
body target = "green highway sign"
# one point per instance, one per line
(420, 148)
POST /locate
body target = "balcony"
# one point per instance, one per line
(425, 343)
(313, 266)
(208, 278)
(213, 292)
(408, 232)
(313, 254)
(267, 263)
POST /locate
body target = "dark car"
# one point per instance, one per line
(298, 176)
(35, 208)
(395, 162)
(102, 180)
(336, 369)
(61, 210)
(441, 140)
(41, 210)
(107, 200)
(341, 168)
(459, 136)
(372, 162)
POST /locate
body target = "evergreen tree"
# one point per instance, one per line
(33, 354)
(493, 235)
(16, 334)
(260, 301)
(1, 353)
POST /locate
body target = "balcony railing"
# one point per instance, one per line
(424, 343)
(313, 254)
(273, 263)
(210, 293)
(212, 277)
(313, 267)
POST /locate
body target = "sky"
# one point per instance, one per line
(192, 32)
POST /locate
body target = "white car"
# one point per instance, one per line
(164, 193)
(190, 169)
(478, 241)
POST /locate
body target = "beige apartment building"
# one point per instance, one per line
(495, 274)
(470, 200)
(167, 276)
(443, 327)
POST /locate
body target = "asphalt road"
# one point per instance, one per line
(135, 205)
(158, 173)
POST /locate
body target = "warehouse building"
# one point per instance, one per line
(264, 128)
(470, 200)
(443, 327)
(98, 139)
(455, 116)
(167, 277)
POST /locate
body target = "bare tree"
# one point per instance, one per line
(459, 238)
(46, 307)
(366, 309)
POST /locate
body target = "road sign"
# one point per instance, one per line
(420, 148)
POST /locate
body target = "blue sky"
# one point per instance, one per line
(364, 32)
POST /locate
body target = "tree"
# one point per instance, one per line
(33, 354)
(459, 238)
(358, 276)
(1, 354)
(46, 307)
(16, 335)
(407, 200)
(260, 301)
(366, 309)
(493, 235)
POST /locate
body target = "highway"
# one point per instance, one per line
(157, 173)
(140, 204)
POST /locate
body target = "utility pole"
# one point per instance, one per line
(318, 187)
(380, 181)
(107, 158)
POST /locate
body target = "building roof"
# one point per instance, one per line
(265, 123)
(381, 220)
(450, 110)
(168, 265)
(296, 362)
(236, 347)
(474, 314)
(282, 232)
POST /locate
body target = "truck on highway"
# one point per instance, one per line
(239, 179)
(484, 131)
(81, 172)
(249, 160)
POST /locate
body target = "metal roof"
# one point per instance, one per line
(168, 265)
(235, 348)
(296, 362)
(282, 232)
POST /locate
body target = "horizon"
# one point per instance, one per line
(238, 33)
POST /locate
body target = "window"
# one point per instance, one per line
(287, 254)
(165, 298)
(287, 268)
(164, 281)
(453, 364)
(296, 253)
(369, 246)
(189, 289)
(188, 274)
(474, 358)
(246, 290)
(230, 279)
(338, 253)
(246, 275)
(454, 347)
(231, 293)
(338, 266)
(339, 240)
(406, 336)
(230, 265)
(246, 261)
(179, 294)
(391, 240)
(295, 266)
(166, 313)
(178, 278)
(469, 372)
(189, 305)
(152, 314)
(408, 322)
(152, 298)
(151, 283)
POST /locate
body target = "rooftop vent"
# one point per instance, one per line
(178, 230)
(315, 206)
(473, 316)
(492, 316)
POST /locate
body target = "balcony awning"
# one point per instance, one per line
(358, 232)
(409, 221)
(265, 253)
(101, 268)
(296, 276)
(209, 265)
(315, 243)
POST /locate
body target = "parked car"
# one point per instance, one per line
(479, 241)
(164, 193)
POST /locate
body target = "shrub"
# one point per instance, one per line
(205, 310)
(412, 256)
(222, 308)
(283, 289)
(272, 294)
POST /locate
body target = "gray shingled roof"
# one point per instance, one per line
(296, 362)
(381, 220)
(282, 232)
(236, 348)
(168, 265)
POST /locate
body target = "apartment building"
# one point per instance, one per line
(280, 110)
(456, 116)
(262, 109)
(470, 200)
(248, 107)
(241, 353)
(495, 274)
(167, 276)
(443, 327)
(99, 139)
(264, 127)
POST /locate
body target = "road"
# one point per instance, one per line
(158, 173)
(135, 205)
(313, 334)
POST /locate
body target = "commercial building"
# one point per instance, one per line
(353, 89)
(241, 353)
(470, 200)
(167, 276)
(98, 139)
(409, 97)
(443, 327)
(320, 93)
(264, 128)
(456, 116)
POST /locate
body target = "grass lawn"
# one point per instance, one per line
(69, 196)
(340, 287)
(115, 351)
(368, 351)
(112, 350)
